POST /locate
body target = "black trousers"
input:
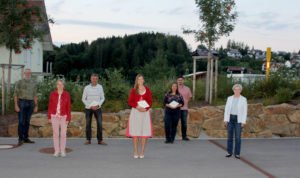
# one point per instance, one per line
(98, 116)
(171, 122)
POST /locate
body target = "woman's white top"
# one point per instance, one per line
(237, 107)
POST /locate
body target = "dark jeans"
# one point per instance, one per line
(171, 122)
(183, 119)
(234, 128)
(26, 109)
(98, 115)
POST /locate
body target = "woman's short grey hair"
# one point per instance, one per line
(237, 86)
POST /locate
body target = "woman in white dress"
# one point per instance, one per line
(139, 124)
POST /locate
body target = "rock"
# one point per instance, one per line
(75, 132)
(279, 109)
(195, 117)
(210, 112)
(122, 132)
(255, 124)
(109, 127)
(158, 131)
(39, 121)
(110, 118)
(194, 130)
(12, 130)
(33, 132)
(157, 116)
(294, 116)
(217, 133)
(264, 134)
(298, 107)
(248, 135)
(45, 132)
(213, 124)
(255, 109)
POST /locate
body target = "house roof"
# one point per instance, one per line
(235, 68)
(47, 39)
(204, 53)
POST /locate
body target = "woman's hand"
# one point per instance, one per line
(243, 125)
(141, 109)
(49, 121)
(225, 124)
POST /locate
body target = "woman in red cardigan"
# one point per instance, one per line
(139, 123)
(59, 115)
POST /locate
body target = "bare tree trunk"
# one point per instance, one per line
(9, 78)
(207, 80)
(3, 90)
(216, 79)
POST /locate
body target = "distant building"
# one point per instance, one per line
(30, 58)
(234, 53)
(242, 74)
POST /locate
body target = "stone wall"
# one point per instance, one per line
(263, 122)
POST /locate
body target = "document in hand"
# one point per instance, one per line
(174, 104)
(143, 104)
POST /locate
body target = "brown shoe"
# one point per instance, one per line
(88, 142)
(101, 143)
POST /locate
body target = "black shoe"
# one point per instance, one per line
(168, 142)
(186, 139)
(237, 156)
(228, 155)
(20, 142)
(28, 141)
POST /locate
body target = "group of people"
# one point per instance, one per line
(139, 126)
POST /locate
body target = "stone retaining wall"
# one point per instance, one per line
(263, 122)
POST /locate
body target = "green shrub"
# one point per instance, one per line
(283, 95)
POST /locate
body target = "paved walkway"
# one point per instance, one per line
(194, 159)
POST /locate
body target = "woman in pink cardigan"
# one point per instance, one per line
(59, 115)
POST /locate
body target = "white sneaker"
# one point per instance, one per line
(63, 154)
(56, 154)
(136, 156)
(142, 156)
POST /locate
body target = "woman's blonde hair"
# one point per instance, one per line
(237, 86)
(136, 86)
(62, 81)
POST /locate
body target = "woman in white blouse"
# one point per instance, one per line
(235, 116)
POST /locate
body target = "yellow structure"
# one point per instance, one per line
(268, 62)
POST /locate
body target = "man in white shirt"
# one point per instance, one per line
(93, 98)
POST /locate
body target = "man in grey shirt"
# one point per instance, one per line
(93, 98)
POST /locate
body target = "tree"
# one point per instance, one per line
(217, 19)
(18, 28)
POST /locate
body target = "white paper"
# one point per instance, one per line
(174, 104)
(143, 104)
(94, 103)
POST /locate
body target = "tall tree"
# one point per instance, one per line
(217, 19)
(18, 28)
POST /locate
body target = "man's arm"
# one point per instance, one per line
(35, 99)
(102, 97)
(17, 109)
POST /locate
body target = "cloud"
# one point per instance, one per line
(103, 24)
(56, 7)
(173, 11)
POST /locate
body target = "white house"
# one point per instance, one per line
(234, 53)
(29, 58)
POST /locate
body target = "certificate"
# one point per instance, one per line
(143, 104)
(174, 104)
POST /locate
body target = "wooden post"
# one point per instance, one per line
(194, 77)
(3, 90)
(211, 79)
(207, 80)
(216, 79)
